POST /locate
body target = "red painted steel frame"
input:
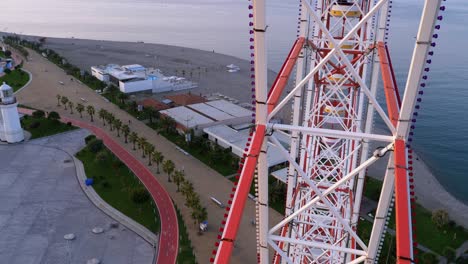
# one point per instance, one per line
(283, 76)
(240, 197)
(402, 205)
(245, 181)
(402, 194)
(389, 84)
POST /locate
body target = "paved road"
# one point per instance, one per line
(168, 242)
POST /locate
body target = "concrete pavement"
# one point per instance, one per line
(41, 201)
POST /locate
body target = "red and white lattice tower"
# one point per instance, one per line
(338, 59)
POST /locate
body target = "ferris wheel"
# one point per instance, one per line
(338, 58)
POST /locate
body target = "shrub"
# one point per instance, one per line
(429, 258)
(452, 224)
(53, 116)
(140, 195)
(8, 53)
(89, 138)
(69, 124)
(38, 114)
(440, 218)
(7, 71)
(105, 184)
(95, 145)
(102, 156)
(34, 125)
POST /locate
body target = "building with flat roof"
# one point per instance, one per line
(228, 137)
(136, 78)
(201, 115)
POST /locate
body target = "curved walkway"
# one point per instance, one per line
(131, 224)
(42, 201)
(169, 236)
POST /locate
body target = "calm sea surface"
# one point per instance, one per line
(222, 26)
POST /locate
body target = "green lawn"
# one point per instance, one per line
(113, 181)
(223, 168)
(185, 255)
(16, 79)
(42, 127)
(427, 233)
(434, 238)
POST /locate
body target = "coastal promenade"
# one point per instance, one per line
(168, 241)
(41, 93)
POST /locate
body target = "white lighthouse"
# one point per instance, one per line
(10, 127)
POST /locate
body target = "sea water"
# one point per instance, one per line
(222, 26)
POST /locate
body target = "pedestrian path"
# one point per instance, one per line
(169, 236)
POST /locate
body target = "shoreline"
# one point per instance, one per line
(426, 186)
(172, 59)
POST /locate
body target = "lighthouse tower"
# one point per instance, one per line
(10, 127)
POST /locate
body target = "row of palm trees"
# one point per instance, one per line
(79, 107)
(148, 150)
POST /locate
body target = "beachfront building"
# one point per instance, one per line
(10, 126)
(136, 78)
(235, 138)
(196, 117)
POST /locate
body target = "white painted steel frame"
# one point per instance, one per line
(297, 174)
(261, 93)
(356, 135)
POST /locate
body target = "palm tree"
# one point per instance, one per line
(102, 114)
(58, 99)
(158, 158)
(192, 199)
(80, 108)
(70, 105)
(91, 111)
(199, 214)
(179, 177)
(150, 112)
(187, 188)
(64, 101)
(125, 132)
(122, 97)
(118, 126)
(168, 124)
(149, 150)
(141, 145)
(110, 120)
(133, 137)
(168, 167)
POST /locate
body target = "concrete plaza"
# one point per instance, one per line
(41, 202)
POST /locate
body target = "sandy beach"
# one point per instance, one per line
(429, 192)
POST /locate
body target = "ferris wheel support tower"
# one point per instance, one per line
(340, 42)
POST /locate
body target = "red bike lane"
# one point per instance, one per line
(169, 235)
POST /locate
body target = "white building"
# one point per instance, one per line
(10, 126)
(136, 78)
(202, 115)
(228, 137)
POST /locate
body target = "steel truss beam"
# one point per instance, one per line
(320, 205)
